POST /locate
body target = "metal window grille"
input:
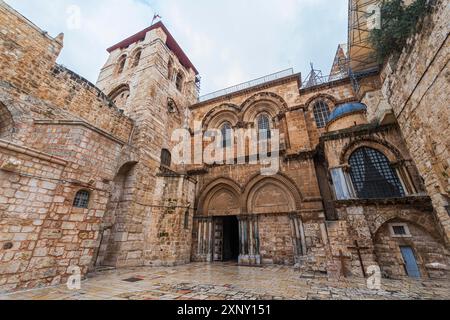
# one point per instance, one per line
(399, 230)
(321, 114)
(226, 135)
(373, 176)
(81, 199)
(264, 127)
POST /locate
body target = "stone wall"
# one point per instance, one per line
(417, 87)
(367, 222)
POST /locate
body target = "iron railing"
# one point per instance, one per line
(247, 85)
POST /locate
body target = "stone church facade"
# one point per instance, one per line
(87, 178)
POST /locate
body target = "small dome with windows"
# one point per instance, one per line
(347, 115)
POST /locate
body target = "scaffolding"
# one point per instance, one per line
(360, 51)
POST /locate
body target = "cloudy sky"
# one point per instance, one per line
(229, 41)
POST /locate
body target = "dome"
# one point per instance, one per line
(345, 109)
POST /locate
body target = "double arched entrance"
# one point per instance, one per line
(238, 223)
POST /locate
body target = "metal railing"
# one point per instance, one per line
(248, 84)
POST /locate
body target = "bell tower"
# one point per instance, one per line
(151, 79)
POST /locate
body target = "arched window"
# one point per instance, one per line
(321, 113)
(264, 127)
(179, 83)
(81, 199)
(121, 64)
(226, 135)
(372, 175)
(137, 58)
(166, 158)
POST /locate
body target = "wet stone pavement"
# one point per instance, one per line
(231, 282)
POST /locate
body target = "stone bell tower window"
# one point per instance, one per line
(137, 58)
(121, 64)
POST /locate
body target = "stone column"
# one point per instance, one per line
(249, 240)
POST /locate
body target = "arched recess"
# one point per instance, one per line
(392, 153)
(120, 95)
(425, 246)
(120, 201)
(221, 197)
(271, 195)
(263, 102)
(218, 115)
(6, 123)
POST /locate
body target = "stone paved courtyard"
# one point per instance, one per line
(230, 282)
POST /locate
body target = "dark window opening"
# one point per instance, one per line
(137, 58)
(399, 230)
(166, 158)
(179, 82)
(186, 220)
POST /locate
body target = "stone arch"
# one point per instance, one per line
(221, 197)
(387, 149)
(120, 95)
(278, 189)
(218, 115)
(136, 57)
(6, 123)
(427, 248)
(329, 99)
(121, 62)
(426, 222)
(267, 102)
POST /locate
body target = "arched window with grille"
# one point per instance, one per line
(227, 135)
(373, 176)
(321, 113)
(166, 158)
(121, 64)
(137, 58)
(81, 199)
(264, 130)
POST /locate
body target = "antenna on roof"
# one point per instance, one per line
(314, 78)
(156, 16)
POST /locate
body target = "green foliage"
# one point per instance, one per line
(398, 23)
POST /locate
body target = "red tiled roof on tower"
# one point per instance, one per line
(170, 42)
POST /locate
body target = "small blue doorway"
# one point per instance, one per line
(411, 267)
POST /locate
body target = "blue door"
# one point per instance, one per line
(412, 269)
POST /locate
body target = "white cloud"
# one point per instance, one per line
(228, 41)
